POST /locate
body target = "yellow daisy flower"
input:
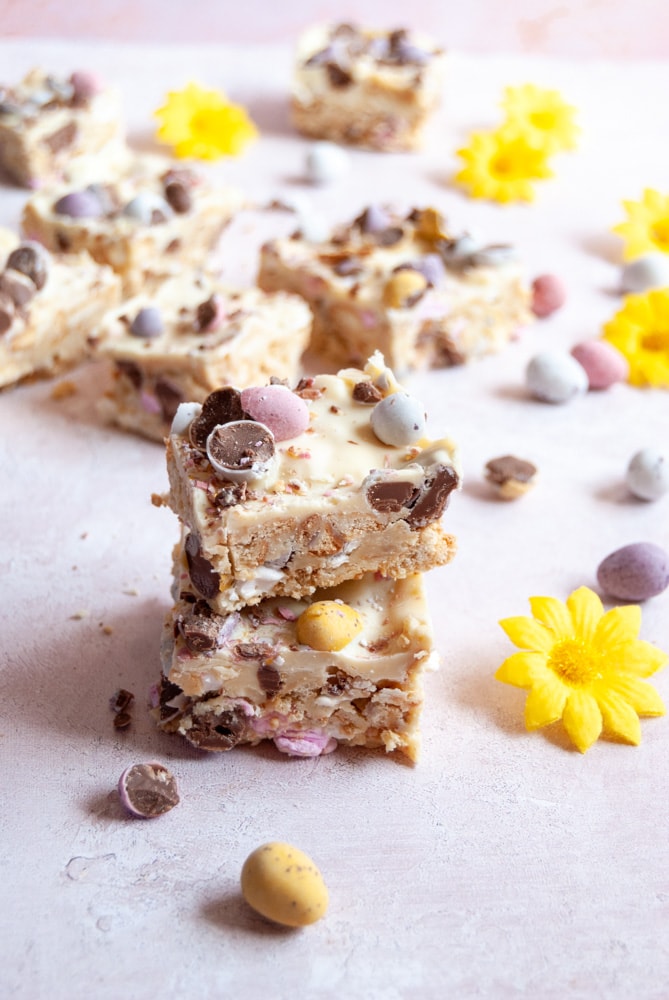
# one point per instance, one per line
(640, 331)
(544, 114)
(501, 165)
(583, 666)
(647, 227)
(203, 124)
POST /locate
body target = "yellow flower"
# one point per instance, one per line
(203, 124)
(647, 227)
(640, 331)
(583, 666)
(501, 165)
(544, 115)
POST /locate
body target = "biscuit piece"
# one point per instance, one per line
(47, 122)
(147, 221)
(250, 675)
(204, 335)
(48, 307)
(403, 285)
(285, 514)
(374, 89)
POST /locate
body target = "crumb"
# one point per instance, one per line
(107, 629)
(78, 615)
(157, 500)
(130, 591)
(64, 389)
(83, 535)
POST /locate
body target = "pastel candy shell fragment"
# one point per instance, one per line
(286, 414)
(283, 884)
(603, 363)
(555, 378)
(648, 474)
(635, 572)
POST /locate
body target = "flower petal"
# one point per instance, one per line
(586, 610)
(617, 626)
(553, 614)
(545, 703)
(522, 669)
(526, 633)
(582, 719)
(636, 657)
(619, 718)
(643, 697)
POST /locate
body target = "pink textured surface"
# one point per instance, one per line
(504, 865)
(602, 28)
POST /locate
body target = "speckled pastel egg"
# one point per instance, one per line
(648, 474)
(398, 419)
(548, 295)
(326, 163)
(286, 414)
(555, 378)
(328, 625)
(79, 205)
(147, 323)
(283, 884)
(603, 363)
(635, 572)
(644, 273)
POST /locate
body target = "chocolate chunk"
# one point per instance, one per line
(230, 495)
(207, 312)
(221, 407)
(318, 58)
(253, 650)
(20, 288)
(62, 138)
(433, 497)
(32, 260)
(148, 790)
(240, 446)
(338, 681)
(366, 392)
(217, 732)
(388, 237)
(169, 398)
(270, 679)
(6, 312)
(337, 76)
(121, 700)
(389, 497)
(500, 470)
(122, 720)
(347, 266)
(200, 632)
(178, 196)
(203, 576)
(168, 690)
(180, 175)
(131, 371)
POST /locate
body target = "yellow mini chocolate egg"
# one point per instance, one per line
(283, 884)
(431, 225)
(402, 287)
(328, 625)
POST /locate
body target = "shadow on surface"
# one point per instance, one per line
(232, 911)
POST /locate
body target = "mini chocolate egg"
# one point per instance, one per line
(648, 474)
(148, 323)
(644, 273)
(398, 419)
(555, 378)
(184, 417)
(548, 295)
(328, 625)
(327, 162)
(635, 572)
(31, 259)
(280, 409)
(148, 790)
(79, 205)
(147, 208)
(243, 451)
(283, 884)
(374, 219)
(603, 363)
(403, 288)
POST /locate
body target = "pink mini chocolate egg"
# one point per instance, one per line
(286, 414)
(604, 365)
(548, 295)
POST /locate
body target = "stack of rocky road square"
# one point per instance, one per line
(308, 517)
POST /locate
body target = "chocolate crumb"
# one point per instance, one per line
(121, 700)
(253, 650)
(199, 631)
(203, 576)
(206, 313)
(217, 732)
(366, 392)
(230, 495)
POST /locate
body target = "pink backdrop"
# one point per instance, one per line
(579, 28)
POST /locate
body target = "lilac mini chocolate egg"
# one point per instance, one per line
(80, 205)
(603, 364)
(147, 323)
(635, 572)
(286, 414)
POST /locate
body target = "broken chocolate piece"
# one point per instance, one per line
(221, 407)
(169, 398)
(178, 196)
(230, 495)
(203, 576)
(199, 631)
(242, 450)
(122, 720)
(121, 700)
(511, 477)
(269, 679)
(253, 650)
(207, 312)
(366, 392)
(31, 259)
(337, 76)
(217, 732)
(433, 497)
(389, 497)
(148, 790)
(131, 371)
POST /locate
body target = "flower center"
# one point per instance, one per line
(659, 232)
(656, 340)
(574, 662)
(545, 120)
